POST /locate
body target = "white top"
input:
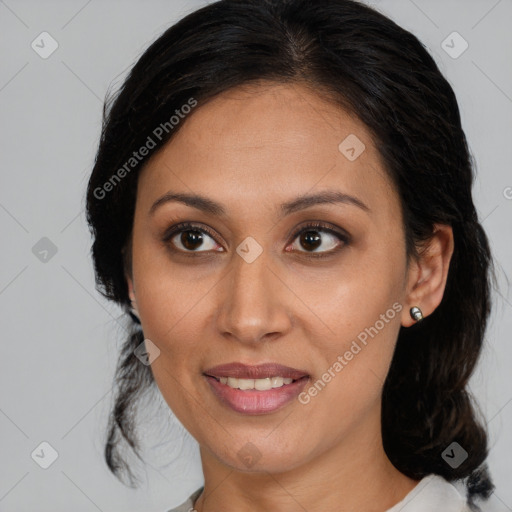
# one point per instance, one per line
(432, 494)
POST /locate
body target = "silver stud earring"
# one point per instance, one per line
(416, 313)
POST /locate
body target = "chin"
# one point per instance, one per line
(255, 458)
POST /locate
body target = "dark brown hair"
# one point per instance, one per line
(380, 72)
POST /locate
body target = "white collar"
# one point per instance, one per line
(433, 492)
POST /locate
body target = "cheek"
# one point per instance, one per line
(347, 388)
(168, 295)
(353, 333)
(352, 295)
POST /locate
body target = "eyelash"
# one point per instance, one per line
(312, 226)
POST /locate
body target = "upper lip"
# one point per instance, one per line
(260, 371)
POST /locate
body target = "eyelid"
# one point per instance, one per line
(321, 226)
(187, 226)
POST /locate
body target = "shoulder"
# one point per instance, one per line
(188, 506)
(433, 493)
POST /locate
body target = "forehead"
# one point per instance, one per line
(280, 140)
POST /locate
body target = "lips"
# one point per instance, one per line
(261, 371)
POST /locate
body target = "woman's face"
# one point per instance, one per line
(252, 290)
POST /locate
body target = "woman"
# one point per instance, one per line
(281, 201)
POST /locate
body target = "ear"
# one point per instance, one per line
(126, 251)
(131, 294)
(428, 273)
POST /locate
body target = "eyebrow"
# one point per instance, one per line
(213, 208)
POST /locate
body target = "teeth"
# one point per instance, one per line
(258, 384)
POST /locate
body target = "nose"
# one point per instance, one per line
(254, 302)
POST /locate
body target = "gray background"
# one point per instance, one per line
(60, 338)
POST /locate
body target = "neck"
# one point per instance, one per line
(355, 474)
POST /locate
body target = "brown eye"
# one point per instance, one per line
(318, 239)
(310, 240)
(190, 238)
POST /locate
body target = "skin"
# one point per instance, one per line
(251, 149)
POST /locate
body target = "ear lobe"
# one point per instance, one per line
(429, 273)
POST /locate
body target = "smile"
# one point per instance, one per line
(259, 384)
(256, 396)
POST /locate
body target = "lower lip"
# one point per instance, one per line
(254, 401)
